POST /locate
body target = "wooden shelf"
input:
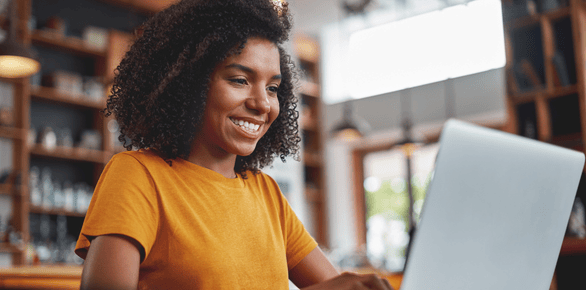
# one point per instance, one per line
(307, 52)
(524, 21)
(309, 124)
(571, 141)
(6, 189)
(62, 277)
(80, 57)
(67, 44)
(11, 133)
(534, 19)
(312, 194)
(311, 159)
(40, 210)
(573, 246)
(563, 91)
(145, 6)
(530, 96)
(557, 14)
(73, 154)
(310, 89)
(8, 248)
(55, 96)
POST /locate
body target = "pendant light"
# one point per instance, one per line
(16, 59)
(348, 129)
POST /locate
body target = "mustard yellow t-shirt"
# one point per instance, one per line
(199, 229)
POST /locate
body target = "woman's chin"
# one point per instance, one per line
(245, 154)
(243, 151)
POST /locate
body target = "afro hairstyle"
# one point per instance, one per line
(160, 88)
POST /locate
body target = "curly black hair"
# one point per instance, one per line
(160, 87)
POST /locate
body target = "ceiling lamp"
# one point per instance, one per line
(16, 59)
(348, 129)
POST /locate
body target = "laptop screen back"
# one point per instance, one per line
(495, 213)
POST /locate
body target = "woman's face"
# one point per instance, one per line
(242, 99)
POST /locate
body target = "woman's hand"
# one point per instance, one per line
(351, 281)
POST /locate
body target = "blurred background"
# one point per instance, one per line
(380, 78)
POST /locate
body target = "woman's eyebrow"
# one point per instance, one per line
(240, 67)
(249, 70)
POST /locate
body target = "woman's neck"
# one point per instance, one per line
(218, 161)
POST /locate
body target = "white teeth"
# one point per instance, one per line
(245, 125)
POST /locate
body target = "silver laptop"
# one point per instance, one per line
(495, 214)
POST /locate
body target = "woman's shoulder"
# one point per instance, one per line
(146, 157)
(263, 180)
(258, 176)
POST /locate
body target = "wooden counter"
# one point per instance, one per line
(41, 277)
(68, 277)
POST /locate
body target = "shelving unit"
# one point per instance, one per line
(146, 6)
(86, 163)
(573, 246)
(546, 88)
(71, 154)
(8, 248)
(40, 210)
(11, 133)
(68, 44)
(52, 95)
(307, 51)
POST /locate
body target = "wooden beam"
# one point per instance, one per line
(544, 132)
(578, 18)
(359, 198)
(548, 40)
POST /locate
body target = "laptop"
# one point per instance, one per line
(495, 213)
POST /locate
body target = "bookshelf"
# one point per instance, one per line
(40, 103)
(145, 6)
(546, 92)
(68, 44)
(40, 210)
(307, 52)
(70, 154)
(49, 94)
(573, 246)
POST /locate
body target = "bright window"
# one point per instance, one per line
(387, 201)
(448, 43)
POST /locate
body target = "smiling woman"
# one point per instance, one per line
(242, 105)
(206, 96)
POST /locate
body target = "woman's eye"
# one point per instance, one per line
(238, 81)
(273, 89)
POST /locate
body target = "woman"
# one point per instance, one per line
(206, 95)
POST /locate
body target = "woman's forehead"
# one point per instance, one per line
(257, 54)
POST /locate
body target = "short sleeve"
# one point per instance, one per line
(124, 202)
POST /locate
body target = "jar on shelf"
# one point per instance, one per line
(47, 189)
(36, 195)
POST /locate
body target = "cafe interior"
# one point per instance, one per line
(378, 81)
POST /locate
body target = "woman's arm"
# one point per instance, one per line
(314, 268)
(317, 273)
(112, 262)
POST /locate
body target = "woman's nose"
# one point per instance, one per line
(259, 101)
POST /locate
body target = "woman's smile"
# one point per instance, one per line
(242, 100)
(247, 127)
